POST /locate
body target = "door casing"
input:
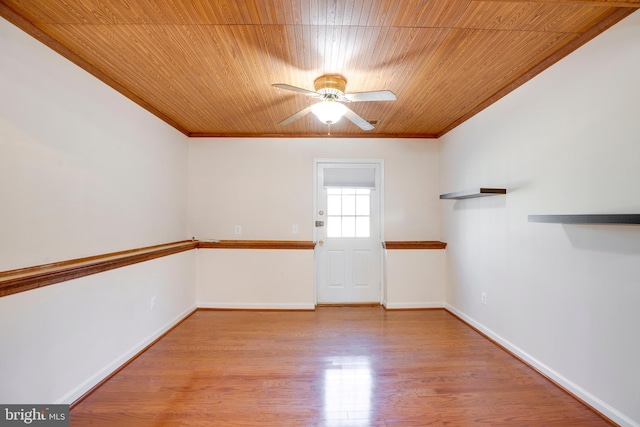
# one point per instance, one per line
(379, 164)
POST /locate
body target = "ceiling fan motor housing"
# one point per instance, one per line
(332, 85)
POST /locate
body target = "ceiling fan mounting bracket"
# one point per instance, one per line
(332, 85)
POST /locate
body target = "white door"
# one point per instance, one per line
(348, 232)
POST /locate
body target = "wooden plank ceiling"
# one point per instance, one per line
(206, 66)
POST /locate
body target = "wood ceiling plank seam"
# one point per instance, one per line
(181, 72)
(306, 42)
(338, 13)
(212, 52)
(238, 69)
(108, 14)
(379, 12)
(287, 12)
(406, 13)
(372, 37)
(227, 79)
(338, 50)
(253, 13)
(319, 34)
(197, 84)
(242, 8)
(154, 12)
(353, 45)
(393, 53)
(341, 17)
(434, 13)
(428, 86)
(357, 8)
(63, 18)
(391, 16)
(211, 13)
(195, 13)
(259, 68)
(349, 17)
(201, 13)
(172, 13)
(328, 57)
(297, 11)
(291, 70)
(464, 7)
(330, 16)
(313, 12)
(365, 13)
(228, 12)
(269, 66)
(455, 46)
(149, 59)
(264, 15)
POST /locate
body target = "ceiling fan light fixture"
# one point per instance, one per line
(329, 112)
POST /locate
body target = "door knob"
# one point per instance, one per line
(321, 242)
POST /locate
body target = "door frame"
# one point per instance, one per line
(379, 164)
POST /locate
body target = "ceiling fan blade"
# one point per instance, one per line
(295, 117)
(357, 120)
(377, 95)
(296, 89)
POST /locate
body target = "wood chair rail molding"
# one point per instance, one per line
(24, 279)
(414, 244)
(258, 244)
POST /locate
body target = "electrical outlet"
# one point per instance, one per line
(483, 298)
(238, 229)
(153, 303)
(295, 229)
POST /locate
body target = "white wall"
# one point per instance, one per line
(83, 171)
(255, 279)
(266, 186)
(416, 278)
(565, 297)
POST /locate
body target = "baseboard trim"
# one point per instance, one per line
(82, 391)
(256, 306)
(608, 413)
(412, 305)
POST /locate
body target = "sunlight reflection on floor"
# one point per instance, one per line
(348, 389)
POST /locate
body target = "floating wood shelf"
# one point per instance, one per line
(476, 192)
(588, 219)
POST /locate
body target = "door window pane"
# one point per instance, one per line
(363, 228)
(363, 205)
(334, 226)
(348, 212)
(348, 205)
(348, 226)
(334, 205)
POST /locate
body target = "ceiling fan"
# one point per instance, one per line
(330, 89)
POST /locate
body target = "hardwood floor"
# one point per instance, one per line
(337, 366)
